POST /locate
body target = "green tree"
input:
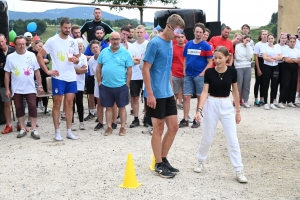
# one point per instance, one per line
(136, 3)
(20, 26)
(274, 18)
(274, 30)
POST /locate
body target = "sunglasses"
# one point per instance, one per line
(177, 31)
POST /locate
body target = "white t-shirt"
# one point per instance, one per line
(138, 50)
(81, 77)
(59, 49)
(22, 69)
(291, 53)
(269, 51)
(282, 50)
(297, 44)
(257, 48)
(93, 67)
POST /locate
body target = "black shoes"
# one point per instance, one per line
(257, 104)
(183, 123)
(135, 123)
(90, 116)
(169, 166)
(114, 126)
(164, 171)
(196, 124)
(98, 126)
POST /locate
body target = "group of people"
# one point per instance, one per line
(165, 67)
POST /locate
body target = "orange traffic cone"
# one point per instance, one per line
(130, 180)
(152, 166)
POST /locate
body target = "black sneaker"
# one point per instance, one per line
(98, 126)
(28, 124)
(90, 116)
(164, 171)
(196, 124)
(172, 169)
(261, 103)
(183, 123)
(114, 126)
(256, 104)
(135, 123)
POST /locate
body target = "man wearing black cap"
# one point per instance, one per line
(90, 26)
(99, 34)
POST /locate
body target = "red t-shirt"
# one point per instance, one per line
(177, 63)
(219, 41)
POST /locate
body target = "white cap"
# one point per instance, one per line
(27, 34)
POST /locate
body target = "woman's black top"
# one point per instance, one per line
(220, 83)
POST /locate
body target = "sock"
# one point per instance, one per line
(256, 101)
(70, 135)
(262, 101)
(136, 118)
(92, 111)
(57, 135)
(159, 164)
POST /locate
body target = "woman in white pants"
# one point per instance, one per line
(217, 106)
(242, 62)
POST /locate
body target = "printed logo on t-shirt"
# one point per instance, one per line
(27, 71)
(56, 90)
(60, 56)
(195, 52)
(16, 71)
(72, 45)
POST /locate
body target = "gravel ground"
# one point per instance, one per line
(93, 166)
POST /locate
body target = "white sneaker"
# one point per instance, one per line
(273, 106)
(81, 126)
(73, 127)
(275, 102)
(280, 105)
(266, 107)
(247, 105)
(199, 167)
(241, 177)
(291, 105)
(40, 109)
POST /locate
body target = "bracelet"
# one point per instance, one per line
(200, 110)
(40, 86)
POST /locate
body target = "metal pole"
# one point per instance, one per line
(219, 10)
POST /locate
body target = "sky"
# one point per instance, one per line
(234, 13)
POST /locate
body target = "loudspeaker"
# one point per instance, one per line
(215, 28)
(190, 17)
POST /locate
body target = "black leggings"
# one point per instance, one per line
(79, 103)
(270, 74)
(289, 83)
(259, 79)
(279, 82)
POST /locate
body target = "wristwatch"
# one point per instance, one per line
(40, 86)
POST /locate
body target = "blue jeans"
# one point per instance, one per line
(192, 83)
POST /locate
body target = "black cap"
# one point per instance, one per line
(99, 28)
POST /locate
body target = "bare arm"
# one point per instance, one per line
(98, 73)
(288, 60)
(278, 57)
(184, 66)
(6, 81)
(151, 101)
(267, 58)
(40, 59)
(209, 64)
(129, 74)
(39, 81)
(236, 98)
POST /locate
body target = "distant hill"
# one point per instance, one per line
(76, 12)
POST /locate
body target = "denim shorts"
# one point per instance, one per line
(60, 87)
(109, 96)
(190, 83)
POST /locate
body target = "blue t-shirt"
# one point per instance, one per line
(159, 53)
(114, 66)
(88, 52)
(196, 56)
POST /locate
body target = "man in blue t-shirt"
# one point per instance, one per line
(160, 101)
(198, 57)
(113, 73)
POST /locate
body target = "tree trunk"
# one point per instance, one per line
(141, 15)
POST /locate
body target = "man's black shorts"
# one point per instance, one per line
(164, 107)
(90, 85)
(136, 87)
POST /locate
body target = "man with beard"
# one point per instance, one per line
(198, 57)
(90, 26)
(75, 33)
(222, 40)
(131, 34)
(99, 34)
(5, 50)
(64, 53)
(113, 76)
